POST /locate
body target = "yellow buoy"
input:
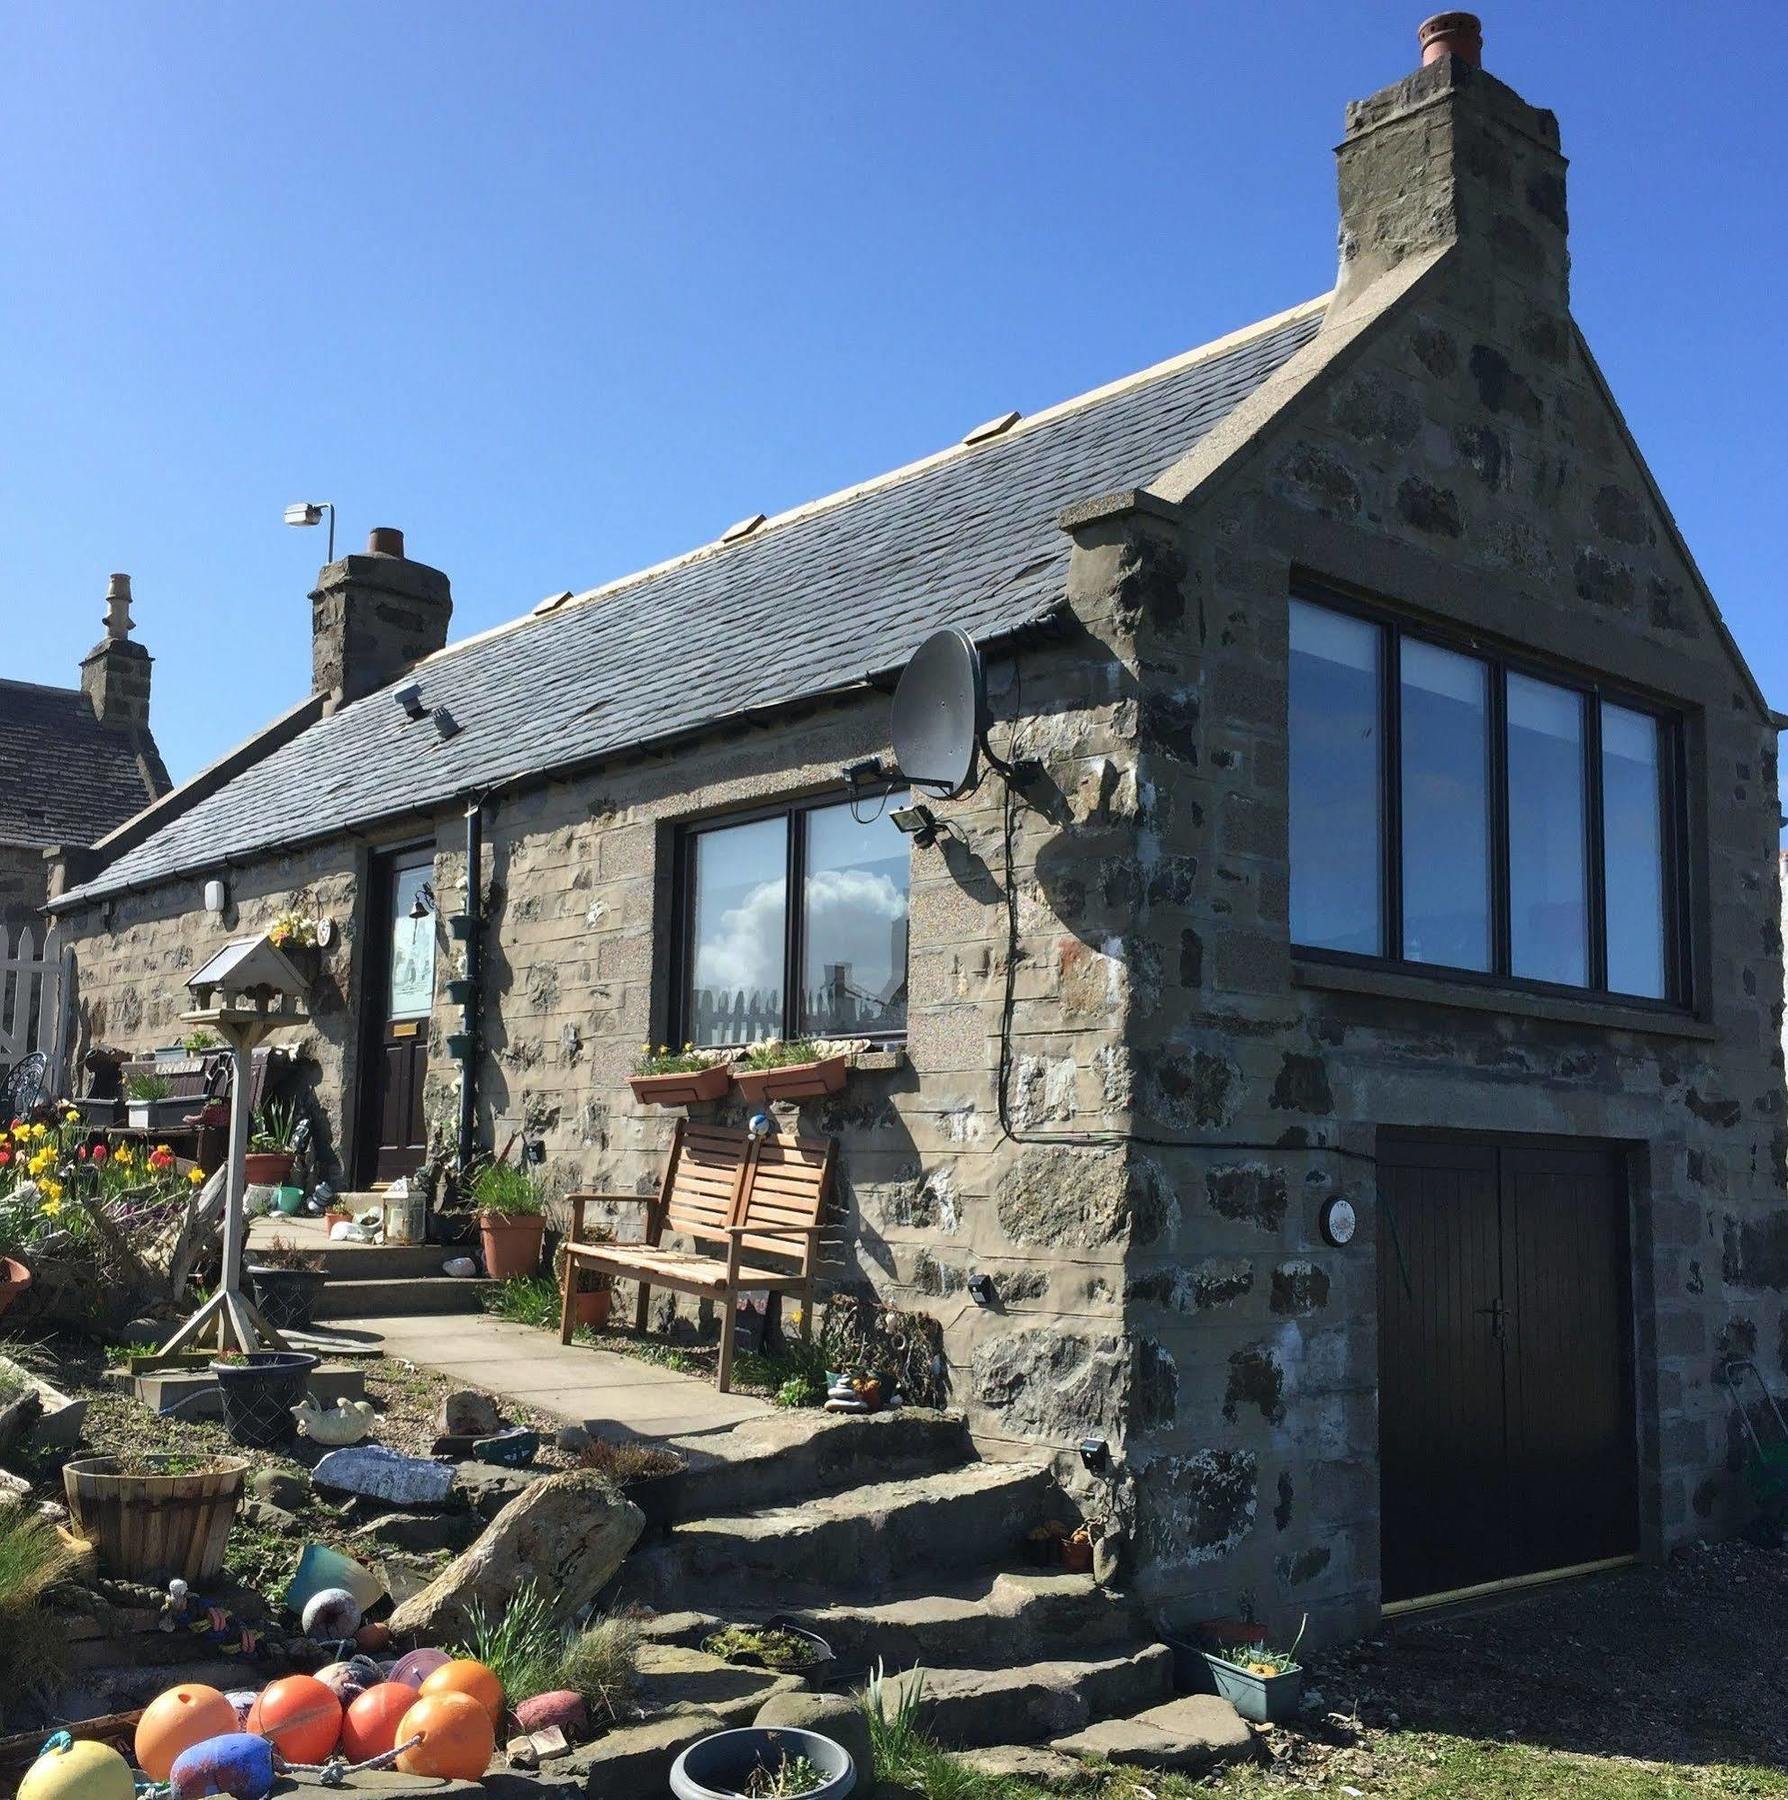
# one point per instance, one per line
(79, 1771)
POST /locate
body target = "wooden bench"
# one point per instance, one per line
(765, 1197)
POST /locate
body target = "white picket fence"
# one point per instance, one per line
(33, 984)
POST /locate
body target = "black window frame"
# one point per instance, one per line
(794, 935)
(1394, 627)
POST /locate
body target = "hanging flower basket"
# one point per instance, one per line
(682, 1087)
(792, 1081)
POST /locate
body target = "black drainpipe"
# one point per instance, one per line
(474, 1007)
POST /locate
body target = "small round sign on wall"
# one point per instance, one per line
(1338, 1221)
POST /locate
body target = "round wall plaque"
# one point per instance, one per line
(1338, 1221)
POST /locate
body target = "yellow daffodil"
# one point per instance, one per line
(124, 1157)
(195, 1176)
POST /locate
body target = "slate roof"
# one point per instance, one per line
(803, 605)
(64, 777)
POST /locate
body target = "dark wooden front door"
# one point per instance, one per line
(399, 996)
(1506, 1433)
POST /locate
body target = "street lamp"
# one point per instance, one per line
(310, 512)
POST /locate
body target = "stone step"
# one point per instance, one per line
(1189, 1736)
(1035, 1702)
(970, 1622)
(864, 1539)
(390, 1262)
(385, 1298)
(791, 1455)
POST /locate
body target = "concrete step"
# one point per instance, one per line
(864, 1539)
(1034, 1702)
(969, 1622)
(792, 1455)
(386, 1297)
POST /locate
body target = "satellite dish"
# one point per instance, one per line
(940, 714)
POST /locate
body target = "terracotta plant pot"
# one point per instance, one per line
(511, 1243)
(688, 1087)
(592, 1307)
(14, 1279)
(793, 1081)
(1077, 1556)
(267, 1168)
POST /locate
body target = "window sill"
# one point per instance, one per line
(1389, 984)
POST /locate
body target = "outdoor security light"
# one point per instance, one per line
(919, 823)
(1095, 1453)
(981, 1290)
(310, 512)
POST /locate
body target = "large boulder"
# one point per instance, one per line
(566, 1534)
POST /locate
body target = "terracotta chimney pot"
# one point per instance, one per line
(1459, 34)
(385, 540)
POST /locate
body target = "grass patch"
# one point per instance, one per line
(530, 1653)
(526, 1300)
(32, 1559)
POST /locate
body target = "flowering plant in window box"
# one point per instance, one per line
(293, 931)
(666, 1077)
(789, 1069)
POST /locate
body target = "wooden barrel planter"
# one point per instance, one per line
(154, 1526)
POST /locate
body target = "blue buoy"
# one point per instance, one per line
(239, 1764)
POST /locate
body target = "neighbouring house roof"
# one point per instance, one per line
(64, 777)
(778, 610)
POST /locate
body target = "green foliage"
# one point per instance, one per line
(666, 1061)
(623, 1463)
(906, 1755)
(32, 1560)
(531, 1654)
(275, 1128)
(787, 1777)
(500, 1187)
(766, 1645)
(782, 1053)
(525, 1299)
(148, 1086)
(796, 1374)
(196, 1043)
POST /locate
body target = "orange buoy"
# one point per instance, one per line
(177, 1719)
(369, 1727)
(298, 1716)
(468, 1677)
(458, 1738)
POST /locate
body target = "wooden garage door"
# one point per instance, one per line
(1506, 1438)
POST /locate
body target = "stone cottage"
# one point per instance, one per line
(1347, 1082)
(74, 763)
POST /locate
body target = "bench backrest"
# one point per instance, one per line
(787, 1184)
(719, 1176)
(703, 1180)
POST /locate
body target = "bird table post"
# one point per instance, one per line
(235, 993)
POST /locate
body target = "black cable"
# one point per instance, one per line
(1083, 1140)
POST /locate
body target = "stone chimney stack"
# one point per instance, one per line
(373, 615)
(1452, 156)
(115, 672)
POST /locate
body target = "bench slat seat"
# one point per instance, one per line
(726, 1188)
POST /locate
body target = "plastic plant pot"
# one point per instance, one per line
(259, 1393)
(1266, 1699)
(720, 1767)
(287, 1296)
(289, 1200)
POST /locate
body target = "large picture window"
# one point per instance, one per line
(1454, 811)
(794, 925)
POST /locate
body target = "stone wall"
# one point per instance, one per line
(24, 883)
(135, 952)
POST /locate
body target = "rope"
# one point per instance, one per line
(335, 1772)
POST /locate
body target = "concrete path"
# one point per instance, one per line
(594, 1388)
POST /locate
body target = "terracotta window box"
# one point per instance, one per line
(793, 1081)
(686, 1087)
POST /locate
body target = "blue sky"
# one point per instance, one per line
(561, 289)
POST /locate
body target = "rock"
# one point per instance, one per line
(287, 1488)
(568, 1533)
(467, 1413)
(1031, 1763)
(416, 1532)
(263, 1515)
(1191, 1734)
(144, 1334)
(573, 1439)
(382, 1474)
(630, 1762)
(561, 1708)
(674, 1678)
(488, 1487)
(836, 1716)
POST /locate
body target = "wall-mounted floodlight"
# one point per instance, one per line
(310, 512)
(919, 823)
